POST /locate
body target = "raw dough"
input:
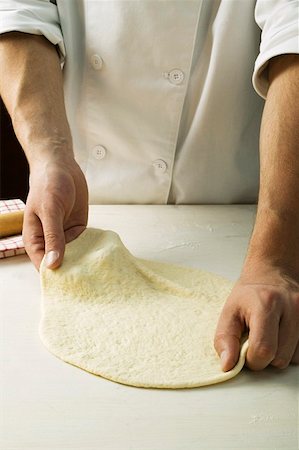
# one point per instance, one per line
(133, 321)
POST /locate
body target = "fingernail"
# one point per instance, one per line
(224, 357)
(51, 258)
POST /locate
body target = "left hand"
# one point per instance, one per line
(56, 208)
(266, 305)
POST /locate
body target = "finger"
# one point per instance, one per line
(287, 342)
(227, 338)
(52, 223)
(263, 339)
(72, 233)
(295, 358)
(33, 237)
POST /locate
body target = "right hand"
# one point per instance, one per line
(56, 209)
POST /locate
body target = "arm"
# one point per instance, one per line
(32, 89)
(265, 300)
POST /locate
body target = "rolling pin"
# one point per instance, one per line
(11, 223)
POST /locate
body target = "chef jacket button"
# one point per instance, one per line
(99, 152)
(96, 62)
(175, 76)
(160, 165)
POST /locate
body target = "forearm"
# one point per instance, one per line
(32, 89)
(276, 233)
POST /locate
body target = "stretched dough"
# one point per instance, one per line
(133, 321)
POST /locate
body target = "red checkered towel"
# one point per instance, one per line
(11, 245)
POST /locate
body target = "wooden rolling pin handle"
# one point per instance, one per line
(11, 223)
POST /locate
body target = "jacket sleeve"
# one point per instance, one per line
(279, 22)
(34, 17)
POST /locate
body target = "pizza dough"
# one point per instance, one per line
(133, 321)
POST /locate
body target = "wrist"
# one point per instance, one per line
(56, 149)
(265, 273)
(274, 241)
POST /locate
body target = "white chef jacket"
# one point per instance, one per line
(162, 96)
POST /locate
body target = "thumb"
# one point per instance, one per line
(54, 239)
(227, 339)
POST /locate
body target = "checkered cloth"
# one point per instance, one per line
(12, 245)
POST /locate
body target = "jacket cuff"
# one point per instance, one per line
(33, 17)
(278, 20)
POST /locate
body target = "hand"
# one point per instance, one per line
(56, 209)
(267, 306)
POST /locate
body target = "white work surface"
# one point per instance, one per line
(48, 404)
